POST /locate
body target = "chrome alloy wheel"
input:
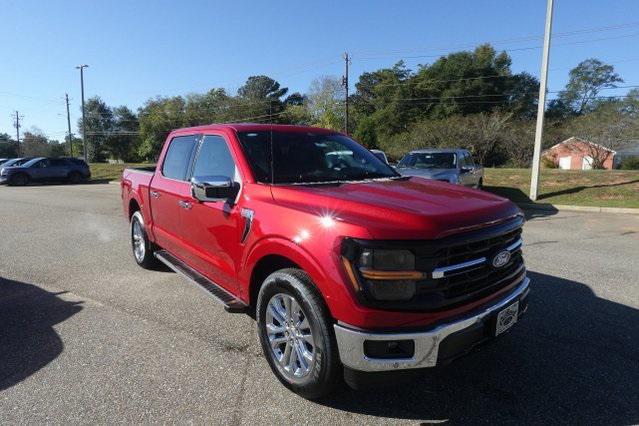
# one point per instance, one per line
(290, 335)
(137, 238)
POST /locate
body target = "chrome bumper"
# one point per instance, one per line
(351, 342)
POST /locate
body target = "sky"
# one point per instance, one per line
(140, 49)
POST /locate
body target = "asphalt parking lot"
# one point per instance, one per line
(88, 337)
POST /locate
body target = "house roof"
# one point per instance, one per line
(574, 139)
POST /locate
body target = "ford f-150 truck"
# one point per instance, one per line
(349, 269)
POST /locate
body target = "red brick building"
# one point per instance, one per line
(579, 154)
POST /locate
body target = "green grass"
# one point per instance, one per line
(108, 172)
(600, 188)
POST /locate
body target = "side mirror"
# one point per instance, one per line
(466, 169)
(213, 188)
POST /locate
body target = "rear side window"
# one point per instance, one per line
(178, 157)
(214, 158)
(57, 162)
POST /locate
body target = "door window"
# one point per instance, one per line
(214, 159)
(178, 157)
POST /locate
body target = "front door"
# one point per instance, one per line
(213, 229)
(169, 188)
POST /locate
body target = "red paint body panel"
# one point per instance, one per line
(290, 221)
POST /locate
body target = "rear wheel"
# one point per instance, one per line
(20, 179)
(296, 334)
(140, 244)
(75, 177)
(480, 184)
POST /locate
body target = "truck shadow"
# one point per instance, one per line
(28, 340)
(572, 359)
(518, 196)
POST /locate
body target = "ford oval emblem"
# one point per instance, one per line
(501, 259)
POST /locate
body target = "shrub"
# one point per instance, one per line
(549, 162)
(630, 163)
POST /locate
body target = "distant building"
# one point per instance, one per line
(578, 154)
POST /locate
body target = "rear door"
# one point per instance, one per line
(169, 187)
(212, 229)
(58, 169)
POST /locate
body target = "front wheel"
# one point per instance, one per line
(140, 244)
(296, 334)
(20, 179)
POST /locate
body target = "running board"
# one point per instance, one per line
(231, 303)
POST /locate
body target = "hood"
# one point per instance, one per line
(412, 208)
(440, 174)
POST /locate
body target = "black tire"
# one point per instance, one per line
(20, 179)
(325, 369)
(480, 185)
(74, 178)
(145, 257)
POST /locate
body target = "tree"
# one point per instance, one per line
(259, 99)
(99, 125)
(325, 102)
(365, 133)
(8, 147)
(585, 82)
(157, 117)
(123, 139)
(35, 144)
(603, 130)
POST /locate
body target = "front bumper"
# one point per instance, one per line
(4, 179)
(431, 347)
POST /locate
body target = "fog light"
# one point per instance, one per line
(391, 290)
(385, 349)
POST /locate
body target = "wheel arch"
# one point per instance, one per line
(278, 253)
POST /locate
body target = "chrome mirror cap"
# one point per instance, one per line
(213, 188)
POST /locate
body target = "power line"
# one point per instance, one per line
(505, 41)
(508, 50)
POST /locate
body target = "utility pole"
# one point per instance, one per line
(541, 107)
(84, 132)
(347, 60)
(66, 96)
(17, 125)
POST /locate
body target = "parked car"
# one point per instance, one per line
(446, 165)
(348, 268)
(12, 162)
(3, 160)
(42, 169)
(380, 154)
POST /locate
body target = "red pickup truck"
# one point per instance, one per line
(349, 269)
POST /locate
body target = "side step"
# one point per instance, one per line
(230, 302)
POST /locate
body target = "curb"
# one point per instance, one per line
(587, 209)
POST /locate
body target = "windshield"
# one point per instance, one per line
(310, 158)
(429, 160)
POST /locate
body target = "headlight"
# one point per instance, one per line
(382, 274)
(387, 260)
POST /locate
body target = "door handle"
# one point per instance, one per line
(185, 205)
(155, 194)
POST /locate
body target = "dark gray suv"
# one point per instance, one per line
(42, 169)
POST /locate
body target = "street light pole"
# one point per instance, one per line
(541, 107)
(84, 138)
